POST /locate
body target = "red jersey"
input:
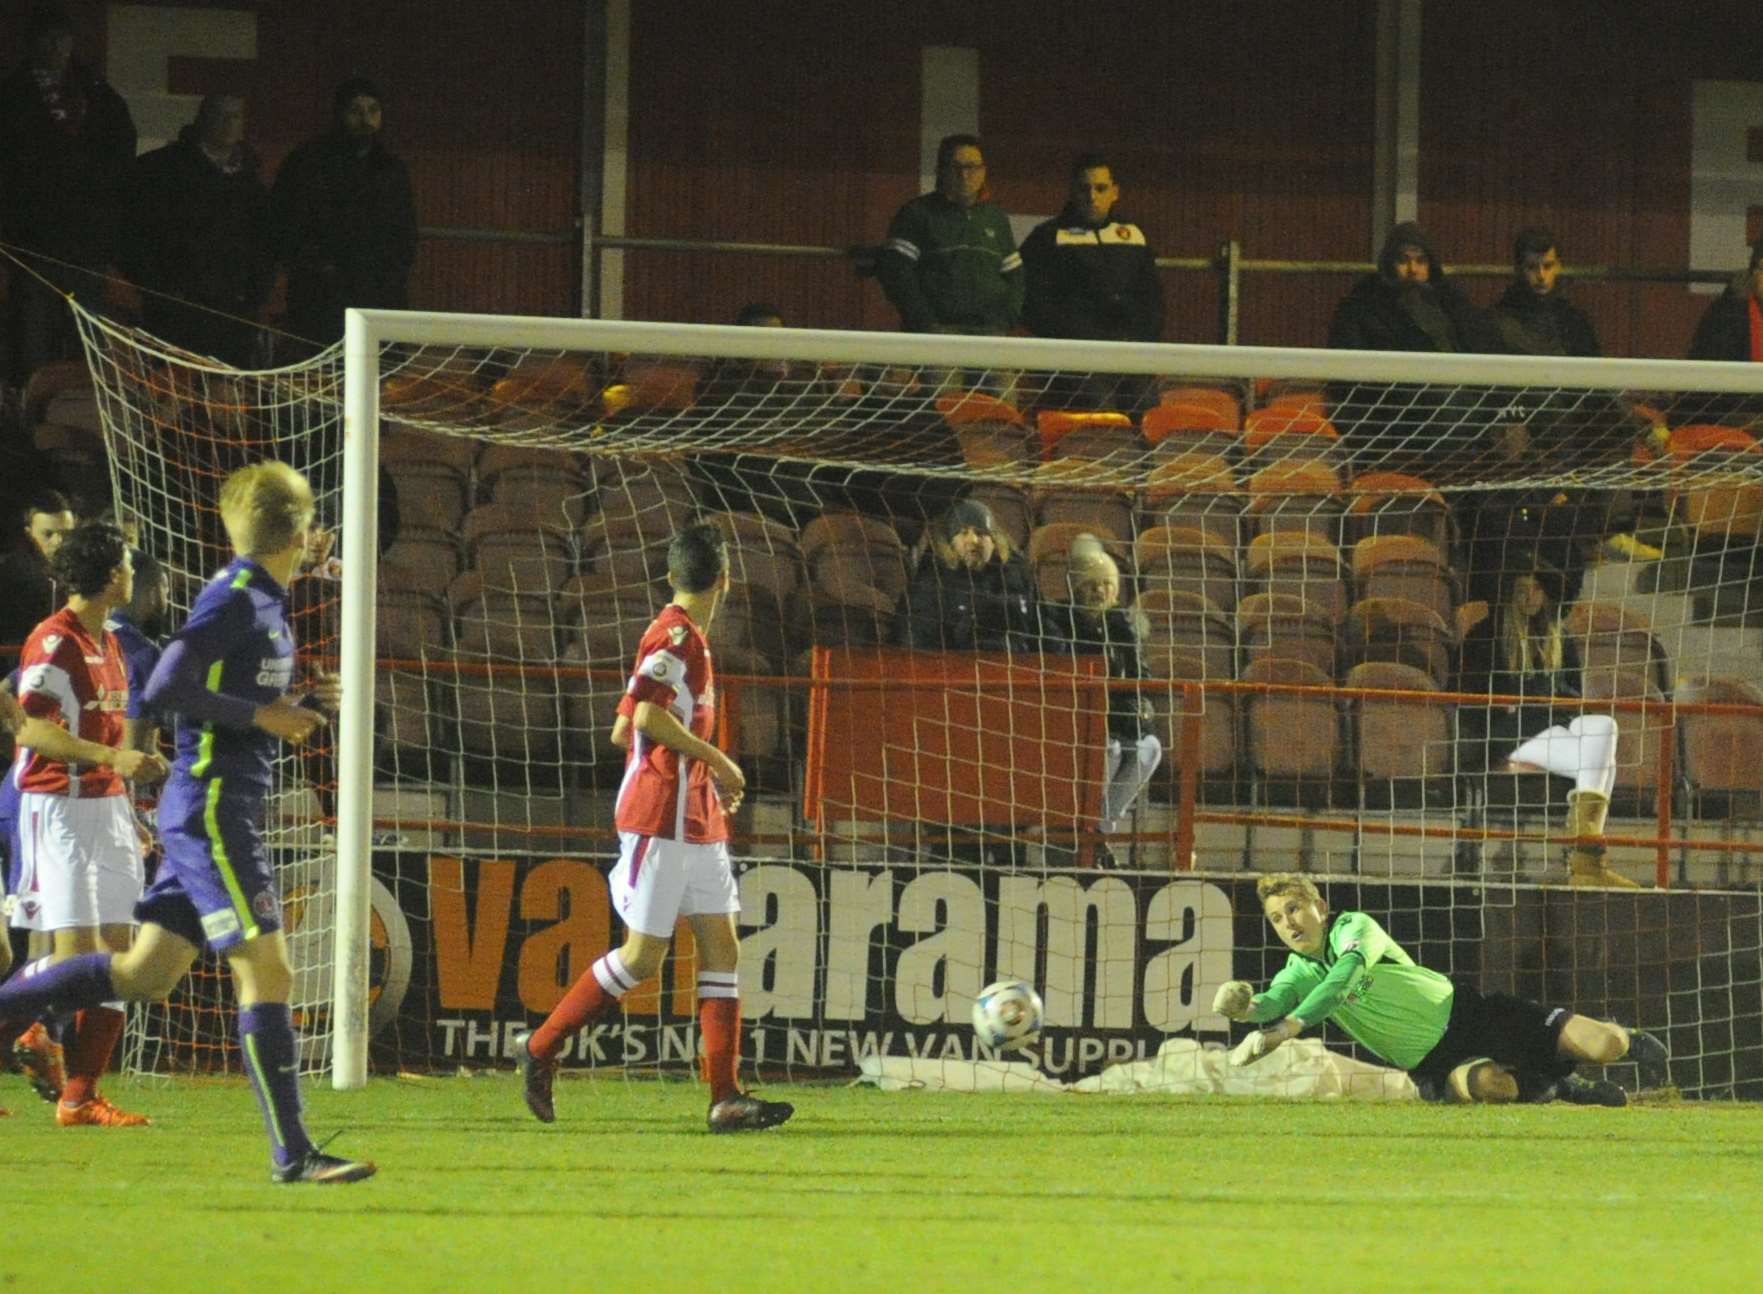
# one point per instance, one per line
(673, 671)
(68, 677)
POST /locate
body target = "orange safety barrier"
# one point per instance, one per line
(1076, 739)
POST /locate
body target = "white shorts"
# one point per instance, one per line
(657, 881)
(79, 862)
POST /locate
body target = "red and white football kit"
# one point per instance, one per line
(673, 838)
(80, 859)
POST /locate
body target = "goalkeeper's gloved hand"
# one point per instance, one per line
(1233, 999)
(1262, 1041)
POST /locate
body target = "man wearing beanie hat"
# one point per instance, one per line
(345, 219)
(972, 593)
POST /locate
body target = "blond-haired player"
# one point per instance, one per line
(226, 676)
(1457, 1043)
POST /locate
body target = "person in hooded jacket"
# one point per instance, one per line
(1410, 304)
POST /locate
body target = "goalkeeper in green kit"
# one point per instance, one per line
(1457, 1043)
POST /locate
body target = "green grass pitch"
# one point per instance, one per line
(866, 1191)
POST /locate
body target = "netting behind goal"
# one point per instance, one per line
(175, 426)
(1348, 589)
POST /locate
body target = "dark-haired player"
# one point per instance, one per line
(1457, 1043)
(226, 676)
(673, 845)
(79, 860)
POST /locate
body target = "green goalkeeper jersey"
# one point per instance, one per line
(1365, 983)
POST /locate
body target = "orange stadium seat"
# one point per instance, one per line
(1405, 566)
(432, 475)
(1291, 735)
(431, 557)
(761, 551)
(1187, 559)
(1395, 629)
(1192, 489)
(1278, 626)
(1288, 434)
(1300, 564)
(1399, 739)
(842, 549)
(1296, 496)
(1189, 627)
(501, 622)
(1723, 753)
(653, 495)
(1714, 488)
(1051, 425)
(625, 551)
(1392, 503)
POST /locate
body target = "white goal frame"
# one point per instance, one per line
(368, 332)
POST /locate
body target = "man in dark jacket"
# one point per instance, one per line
(1410, 304)
(28, 593)
(198, 237)
(1534, 316)
(971, 593)
(346, 219)
(1732, 327)
(950, 263)
(1091, 275)
(66, 144)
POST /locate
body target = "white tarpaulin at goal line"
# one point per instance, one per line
(1181, 1067)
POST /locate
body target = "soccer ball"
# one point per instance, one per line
(1007, 1015)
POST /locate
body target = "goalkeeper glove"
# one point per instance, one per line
(1262, 1041)
(1234, 1000)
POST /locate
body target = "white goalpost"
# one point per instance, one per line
(1316, 553)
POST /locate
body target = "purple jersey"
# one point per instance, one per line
(234, 653)
(139, 655)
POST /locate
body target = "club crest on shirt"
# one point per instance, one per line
(677, 634)
(51, 642)
(659, 669)
(264, 904)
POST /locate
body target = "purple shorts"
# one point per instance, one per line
(215, 884)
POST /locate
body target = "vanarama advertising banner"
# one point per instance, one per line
(843, 961)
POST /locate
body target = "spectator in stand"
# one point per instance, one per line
(1409, 304)
(1522, 649)
(950, 264)
(198, 238)
(27, 588)
(1092, 276)
(971, 592)
(66, 144)
(1732, 326)
(1094, 623)
(1534, 316)
(345, 219)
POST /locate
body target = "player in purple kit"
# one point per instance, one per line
(226, 676)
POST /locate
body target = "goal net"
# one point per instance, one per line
(1037, 654)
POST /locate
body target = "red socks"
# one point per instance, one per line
(94, 1036)
(594, 993)
(719, 1023)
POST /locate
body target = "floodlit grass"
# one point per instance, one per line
(865, 1191)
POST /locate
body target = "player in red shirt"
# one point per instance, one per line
(80, 858)
(673, 845)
